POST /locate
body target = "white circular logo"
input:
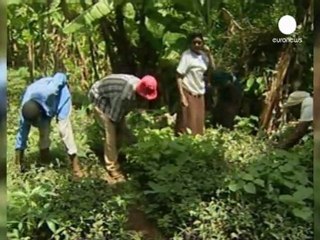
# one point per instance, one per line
(287, 24)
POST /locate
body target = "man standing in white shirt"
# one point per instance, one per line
(306, 117)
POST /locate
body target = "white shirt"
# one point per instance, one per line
(306, 113)
(192, 66)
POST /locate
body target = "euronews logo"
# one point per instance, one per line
(287, 25)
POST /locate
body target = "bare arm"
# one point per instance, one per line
(179, 82)
(212, 64)
(294, 138)
(183, 98)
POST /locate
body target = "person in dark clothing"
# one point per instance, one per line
(228, 93)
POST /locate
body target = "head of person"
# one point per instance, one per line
(32, 112)
(293, 103)
(221, 79)
(147, 88)
(196, 40)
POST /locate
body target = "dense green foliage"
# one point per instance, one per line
(224, 185)
(142, 37)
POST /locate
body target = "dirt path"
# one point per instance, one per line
(138, 222)
(137, 219)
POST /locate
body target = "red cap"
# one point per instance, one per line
(147, 87)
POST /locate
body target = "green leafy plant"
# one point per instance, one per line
(229, 175)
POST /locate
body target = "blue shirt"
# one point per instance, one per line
(53, 94)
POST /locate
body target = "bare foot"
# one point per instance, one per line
(77, 172)
(113, 178)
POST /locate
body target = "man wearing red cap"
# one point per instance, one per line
(113, 98)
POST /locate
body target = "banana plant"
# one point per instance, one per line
(88, 17)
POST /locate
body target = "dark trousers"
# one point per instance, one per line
(228, 106)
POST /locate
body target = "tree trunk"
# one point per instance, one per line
(42, 56)
(273, 96)
(93, 59)
(124, 46)
(107, 34)
(31, 59)
(85, 70)
(302, 12)
(110, 54)
(146, 55)
(10, 51)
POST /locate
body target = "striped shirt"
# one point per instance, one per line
(114, 95)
